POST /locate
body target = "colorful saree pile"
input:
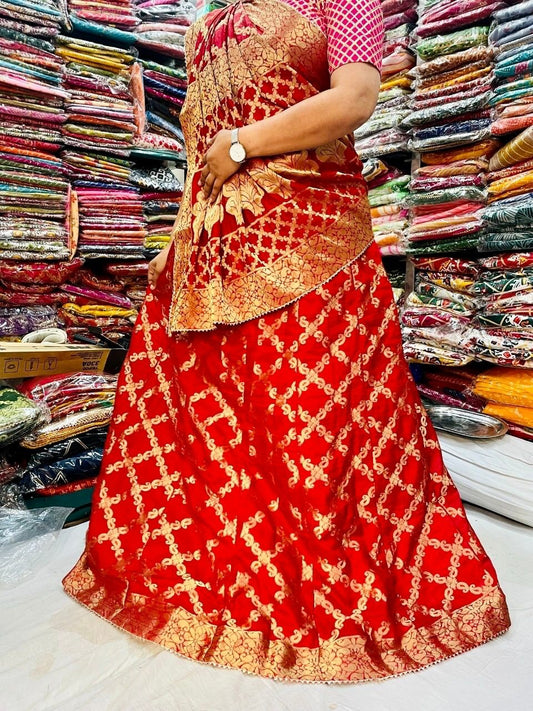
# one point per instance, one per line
(382, 134)
(63, 454)
(504, 290)
(512, 38)
(118, 14)
(509, 395)
(158, 133)
(388, 188)
(450, 127)
(437, 315)
(100, 103)
(34, 190)
(30, 294)
(163, 25)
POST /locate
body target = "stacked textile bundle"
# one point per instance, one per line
(163, 25)
(110, 209)
(382, 134)
(100, 105)
(504, 290)
(34, 192)
(33, 292)
(132, 278)
(160, 196)
(511, 37)
(450, 127)
(160, 211)
(18, 417)
(508, 393)
(64, 455)
(117, 14)
(388, 188)
(164, 89)
(110, 306)
(437, 316)
(508, 219)
(111, 222)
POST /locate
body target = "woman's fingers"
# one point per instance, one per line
(217, 187)
(208, 183)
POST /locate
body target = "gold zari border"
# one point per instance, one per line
(339, 659)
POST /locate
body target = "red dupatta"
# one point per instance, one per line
(282, 225)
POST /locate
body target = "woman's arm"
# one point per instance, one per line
(333, 113)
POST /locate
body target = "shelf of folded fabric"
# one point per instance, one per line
(450, 130)
(511, 38)
(388, 187)
(58, 459)
(162, 26)
(34, 191)
(382, 134)
(471, 310)
(112, 21)
(504, 321)
(502, 392)
(509, 215)
(437, 316)
(100, 106)
(102, 301)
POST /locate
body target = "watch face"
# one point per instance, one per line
(237, 152)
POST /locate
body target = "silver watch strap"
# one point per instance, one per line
(234, 136)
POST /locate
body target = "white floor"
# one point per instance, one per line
(57, 656)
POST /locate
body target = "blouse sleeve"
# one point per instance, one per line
(354, 30)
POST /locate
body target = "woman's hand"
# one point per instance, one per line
(218, 166)
(157, 265)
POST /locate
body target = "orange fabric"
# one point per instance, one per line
(515, 414)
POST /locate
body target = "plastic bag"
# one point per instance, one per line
(28, 539)
(454, 42)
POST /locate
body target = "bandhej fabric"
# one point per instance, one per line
(332, 544)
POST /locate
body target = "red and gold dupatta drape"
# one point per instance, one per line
(282, 225)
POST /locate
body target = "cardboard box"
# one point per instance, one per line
(26, 360)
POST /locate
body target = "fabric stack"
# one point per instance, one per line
(161, 196)
(505, 393)
(163, 25)
(508, 219)
(159, 134)
(382, 134)
(110, 305)
(118, 14)
(34, 192)
(450, 128)
(504, 290)
(64, 455)
(511, 37)
(132, 277)
(100, 106)
(111, 222)
(508, 393)
(33, 292)
(388, 188)
(437, 317)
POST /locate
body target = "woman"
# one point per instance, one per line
(273, 497)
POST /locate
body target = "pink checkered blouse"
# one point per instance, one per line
(354, 28)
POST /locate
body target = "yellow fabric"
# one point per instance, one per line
(506, 386)
(518, 149)
(476, 150)
(517, 415)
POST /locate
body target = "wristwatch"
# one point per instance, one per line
(237, 151)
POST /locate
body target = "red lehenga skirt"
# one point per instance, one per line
(273, 497)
